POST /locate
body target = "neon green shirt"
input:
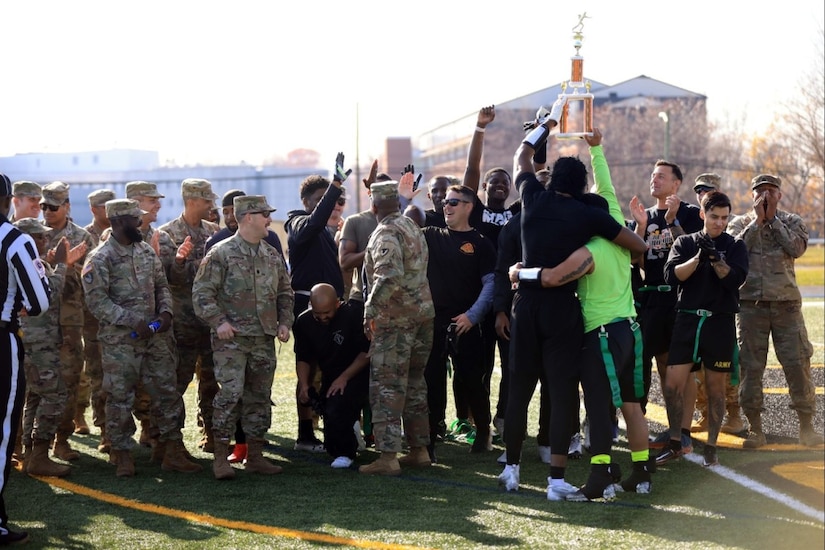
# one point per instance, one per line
(606, 293)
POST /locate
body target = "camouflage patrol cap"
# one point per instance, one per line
(100, 196)
(55, 193)
(251, 203)
(384, 190)
(142, 189)
(707, 180)
(193, 188)
(31, 226)
(768, 179)
(26, 189)
(123, 207)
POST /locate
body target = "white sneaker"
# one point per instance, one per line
(342, 462)
(559, 489)
(312, 446)
(575, 448)
(502, 459)
(362, 445)
(544, 453)
(509, 477)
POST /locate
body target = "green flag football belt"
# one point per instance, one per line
(703, 315)
(610, 365)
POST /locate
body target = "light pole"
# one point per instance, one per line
(664, 116)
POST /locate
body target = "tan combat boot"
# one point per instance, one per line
(418, 457)
(80, 426)
(105, 446)
(38, 462)
(807, 434)
(148, 434)
(124, 461)
(62, 449)
(158, 452)
(220, 465)
(386, 465)
(734, 423)
(255, 461)
(174, 459)
(755, 438)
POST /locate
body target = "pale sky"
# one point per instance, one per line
(240, 80)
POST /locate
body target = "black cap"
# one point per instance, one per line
(5, 186)
(230, 195)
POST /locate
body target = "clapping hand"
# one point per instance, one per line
(707, 249)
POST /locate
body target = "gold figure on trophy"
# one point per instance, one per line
(580, 102)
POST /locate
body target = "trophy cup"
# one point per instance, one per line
(582, 103)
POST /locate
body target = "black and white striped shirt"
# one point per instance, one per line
(23, 282)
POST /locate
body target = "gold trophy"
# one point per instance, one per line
(582, 103)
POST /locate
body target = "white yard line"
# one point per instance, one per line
(763, 490)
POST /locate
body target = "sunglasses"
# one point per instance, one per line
(454, 202)
(703, 189)
(341, 201)
(49, 207)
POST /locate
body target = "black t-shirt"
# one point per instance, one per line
(509, 252)
(704, 289)
(458, 260)
(434, 219)
(554, 226)
(659, 239)
(334, 346)
(490, 220)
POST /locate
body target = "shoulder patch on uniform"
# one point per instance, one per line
(88, 272)
(38, 266)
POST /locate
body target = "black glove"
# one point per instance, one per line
(707, 249)
(340, 175)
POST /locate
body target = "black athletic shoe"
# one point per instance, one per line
(13, 537)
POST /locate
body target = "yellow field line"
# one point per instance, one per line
(219, 522)
(784, 391)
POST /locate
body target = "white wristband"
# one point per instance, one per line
(480, 129)
(529, 274)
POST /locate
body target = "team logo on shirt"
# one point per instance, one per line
(467, 248)
(337, 337)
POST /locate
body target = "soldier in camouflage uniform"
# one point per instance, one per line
(398, 318)
(771, 305)
(45, 390)
(127, 290)
(92, 377)
(189, 234)
(243, 292)
(56, 209)
(148, 198)
(26, 200)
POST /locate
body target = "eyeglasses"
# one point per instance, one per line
(454, 202)
(341, 201)
(50, 207)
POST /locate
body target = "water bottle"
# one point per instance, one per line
(153, 326)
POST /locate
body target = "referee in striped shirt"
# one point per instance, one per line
(23, 285)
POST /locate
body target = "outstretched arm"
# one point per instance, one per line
(472, 172)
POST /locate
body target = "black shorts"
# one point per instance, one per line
(657, 327)
(621, 343)
(717, 340)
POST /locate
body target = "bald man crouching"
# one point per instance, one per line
(330, 334)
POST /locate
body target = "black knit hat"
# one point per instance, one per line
(230, 195)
